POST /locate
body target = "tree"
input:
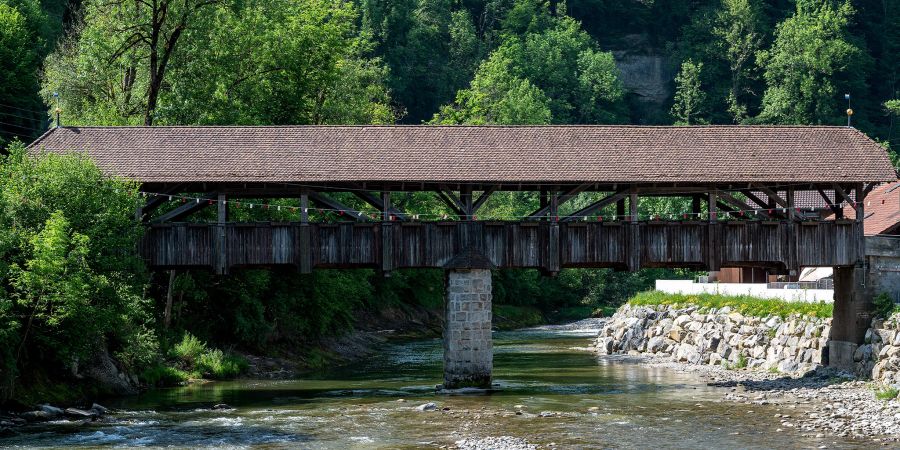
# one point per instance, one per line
(23, 40)
(70, 277)
(738, 29)
(117, 62)
(810, 65)
(689, 95)
(497, 97)
(256, 62)
(553, 66)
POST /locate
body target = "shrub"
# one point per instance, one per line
(884, 305)
(887, 393)
(219, 366)
(189, 349)
(744, 304)
(161, 375)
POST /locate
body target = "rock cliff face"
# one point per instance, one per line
(647, 73)
(793, 346)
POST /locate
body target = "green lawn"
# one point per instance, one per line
(744, 304)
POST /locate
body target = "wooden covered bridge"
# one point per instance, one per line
(741, 184)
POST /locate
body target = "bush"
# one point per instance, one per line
(161, 375)
(744, 304)
(189, 349)
(219, 366)
(884, 305)
(511, 317)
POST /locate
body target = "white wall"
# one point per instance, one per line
(756, 290)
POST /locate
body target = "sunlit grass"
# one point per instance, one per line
(744, 304)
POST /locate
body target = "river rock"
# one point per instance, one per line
(76, 413)
(37, 416)
(430, 406)
(52, 410)
(99, 409)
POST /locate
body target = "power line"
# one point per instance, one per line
(23, 109)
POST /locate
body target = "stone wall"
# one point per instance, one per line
(794, 345)
(879, 357)
(468, 348)
(721, 336)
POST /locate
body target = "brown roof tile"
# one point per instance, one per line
(614, 154)
(882, 208)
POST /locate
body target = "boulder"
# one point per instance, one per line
(52, 410)
(430, 406)
(76, 413)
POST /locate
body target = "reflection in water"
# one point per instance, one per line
(548, 393)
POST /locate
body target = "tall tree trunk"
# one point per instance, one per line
(167, 317)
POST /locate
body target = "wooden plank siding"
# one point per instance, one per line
(777, 244)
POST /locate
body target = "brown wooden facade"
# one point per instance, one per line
(548, 246)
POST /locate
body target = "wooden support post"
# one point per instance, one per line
(620, 209)
(860, 229)
(387, 236)
(634, 232)
(695, 206)
(791, 214)
(713, 249)
(465, 196)
(553, 262)
(221, 262)
(305, 235)
(545, 202)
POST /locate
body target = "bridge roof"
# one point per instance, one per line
(514, 154)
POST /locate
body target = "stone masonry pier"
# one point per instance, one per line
(468, 350)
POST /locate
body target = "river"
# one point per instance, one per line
(550, 393)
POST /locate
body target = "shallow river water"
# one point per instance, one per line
(568, 398)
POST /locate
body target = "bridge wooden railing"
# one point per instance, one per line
(548, 246)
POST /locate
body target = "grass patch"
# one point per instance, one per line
(886, 393)
(744, 304)
(161, 375)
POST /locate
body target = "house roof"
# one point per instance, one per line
(882, 208)
(523, 154)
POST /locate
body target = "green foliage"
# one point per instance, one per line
(811, 64)
(24, 35)
(188, 351)
(511, 317)
(70, 280)
(273, 62)
(886, 393)
(547, 70)
(217, 365)
(689, 96)
(746, 305)
(161, 375)
(884, 305)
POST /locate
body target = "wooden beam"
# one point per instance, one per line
(373, 200)
(386, 210)
(483, 198)
(839, 193)
(773, 196)
(599, 204)
(331, 203)
(838, 212)
(562, 198)
(754, 198)
(452, 203)
(465, 197)
(713, 205)
(188, 208)
(735, 202)
(454, 200)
